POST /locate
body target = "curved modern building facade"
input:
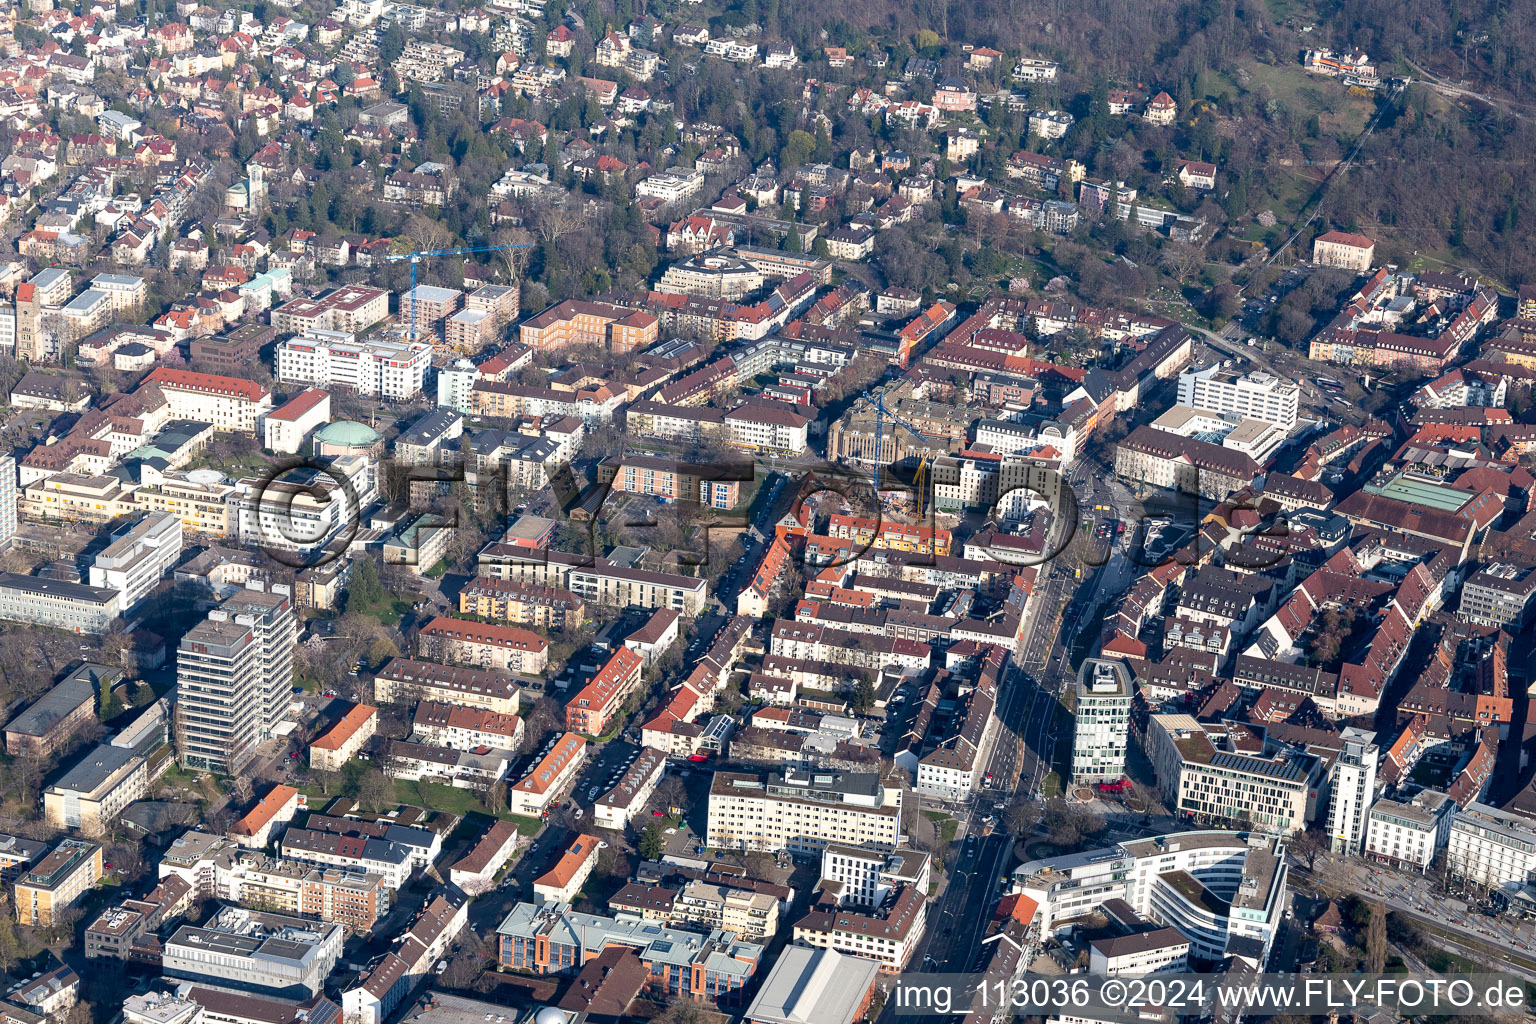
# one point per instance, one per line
(1223, 891)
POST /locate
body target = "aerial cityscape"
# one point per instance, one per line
(767, 512)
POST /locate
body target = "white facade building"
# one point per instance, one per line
(1353, 789)
(1102, 721)
(329, 359)
(802, 811)
(138, 557)
(8, 489)
(1410, 832)
(1491, 847)
(1255, 395)
(1223, 891)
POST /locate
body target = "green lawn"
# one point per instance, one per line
(438, 797)
(946, 823)
(435, 796)
(389, 609)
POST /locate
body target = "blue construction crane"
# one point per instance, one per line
(417, 257)
(877, 399)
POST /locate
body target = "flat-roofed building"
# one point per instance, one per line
(200, 498)
(1205, 781)
(807, 985)
(1491, 847)
(1412, 832)
(16, 853)
(96, 790)
(56, 881)
(866, 877)
(73, 607)
(77, 498)
(1224, 892)
(138, 557)
(1101, 721)
(428, 306)
(1501, 594)
(336, 359)
(750, 914)
(249, 951)
(1255, 394)
(802, 811)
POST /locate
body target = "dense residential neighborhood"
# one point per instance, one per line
(687, 512)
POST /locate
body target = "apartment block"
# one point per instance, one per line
(1500, 594)
(335, 359)
(406, 681)
(456, 727)
(484, 645)
(595, 705)
(521, 604)
(427, 307)
(534, 792)
(711, 486)
(58, 880)
(887, 933)
(353, 309)
(744, 912)
(802, 811)
(628, 798)
(332, 749)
